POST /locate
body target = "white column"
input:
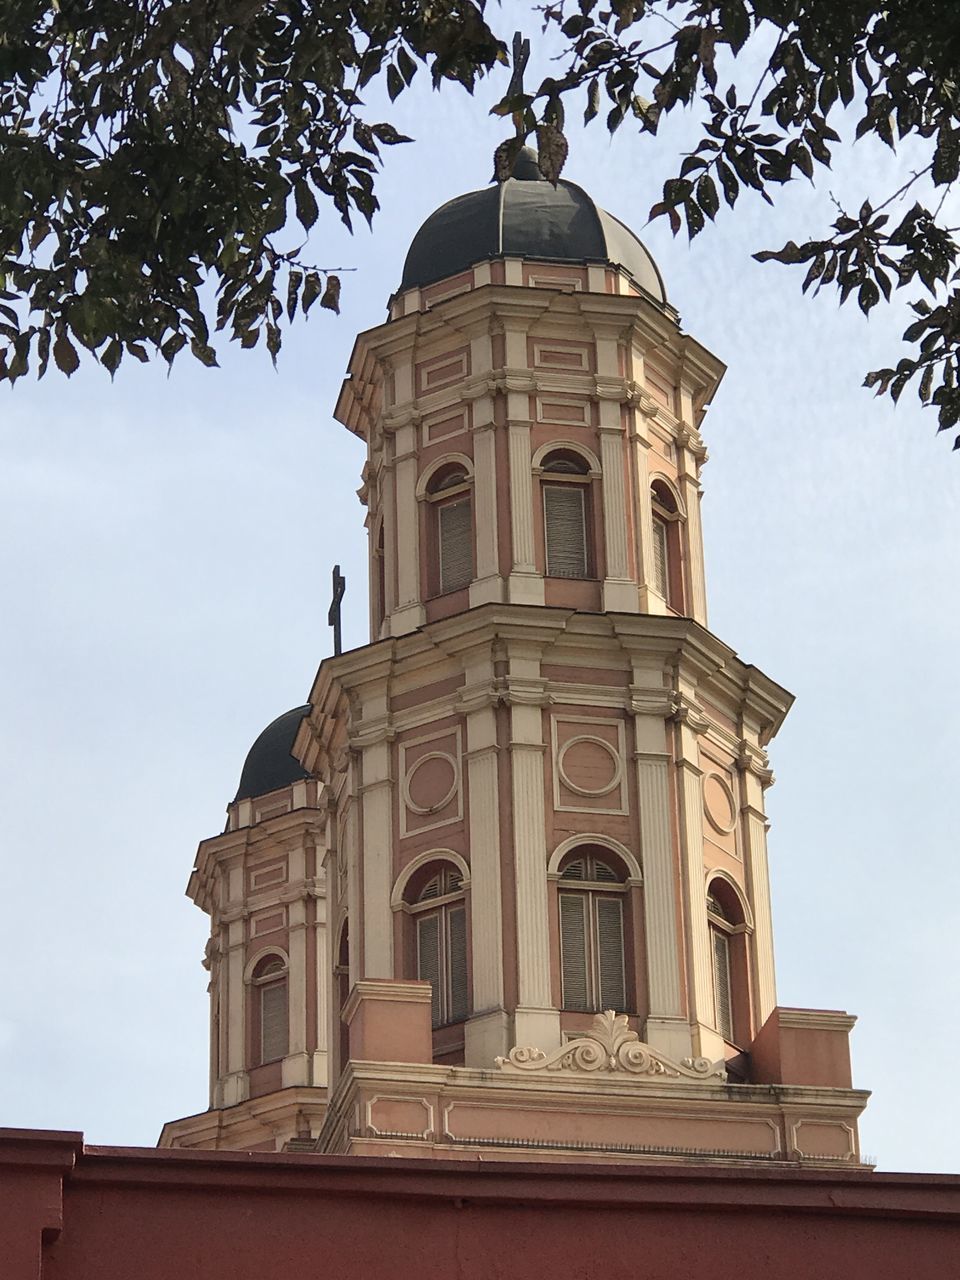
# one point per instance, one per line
(667, 1028)
(707, 1041)
(526, 585)
(693, 539)
(536, 1022)
(234, 1086)
(376, 857)
(295, 1063)
(758, 888)
(409, 613)
(487, 584)
(324, 977)
(619, 592)
(486, 1034)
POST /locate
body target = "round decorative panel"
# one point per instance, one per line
(589, 766)
(719, 804)
(431, 782)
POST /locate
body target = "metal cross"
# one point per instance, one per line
(333, 615)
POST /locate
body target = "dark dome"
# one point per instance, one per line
(269, 764)
(525, 217)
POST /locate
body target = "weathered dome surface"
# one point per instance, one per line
(525, 217)
(269, 764)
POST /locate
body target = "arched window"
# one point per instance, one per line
(729, 961)
(379, 581)
(592, 892)
(449, 491)
(271, 1012)
(342, 976)
(667, 568)
(436, 900)
(566, 515)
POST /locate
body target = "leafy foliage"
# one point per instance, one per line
(895, 65)
(150, 146)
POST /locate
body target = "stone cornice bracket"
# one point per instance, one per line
(689, 438)
(525, 691)
(689, 713)
(403, 415)
(608, 387)
(652, 702)
(752, 760)
(478, 697)
(611, 1047)
(368, 735)
(515, 380)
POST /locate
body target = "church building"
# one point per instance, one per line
(499, 888)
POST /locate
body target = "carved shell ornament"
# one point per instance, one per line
(611, 1046)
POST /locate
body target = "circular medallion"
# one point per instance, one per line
(431, 782)
(589, 766)
(719, 804)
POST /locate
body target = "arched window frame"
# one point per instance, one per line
(583, 987)
(582, 475)
(667, 520)
(730, 924)
(341, 975)
(378, 584)
(444, 486)
(437, 931)
(268, 1002)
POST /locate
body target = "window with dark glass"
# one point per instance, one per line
(665, 531)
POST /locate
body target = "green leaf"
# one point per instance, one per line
(395, 84)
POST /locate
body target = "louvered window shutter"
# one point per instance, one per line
(457, 962)
(428, 960)
(721, 975)
(610, 954)
(660, 555)
(455, 524)
(573, 950)
(605, 873)
(273, 1021)
(565, 529)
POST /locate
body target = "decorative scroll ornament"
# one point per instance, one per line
(609, 1046)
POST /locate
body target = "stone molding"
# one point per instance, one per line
(611, 1046)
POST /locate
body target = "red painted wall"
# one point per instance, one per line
(69, 1213)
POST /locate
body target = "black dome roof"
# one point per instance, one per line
(525, 217)
(269, 764)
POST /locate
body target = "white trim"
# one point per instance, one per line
(719, 874)
(423, 480)
(431, 855)
(655, 476)
(634, 874)
(558, 446)
(262, 954)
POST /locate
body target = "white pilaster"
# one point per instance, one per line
(377, 861)
(619, 591)
(526, 585)
(667, 1028)
(487, 584)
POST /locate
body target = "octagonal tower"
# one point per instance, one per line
(540, 786)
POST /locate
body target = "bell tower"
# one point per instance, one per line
(538, 821)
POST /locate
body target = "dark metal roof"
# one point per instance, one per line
(525, 217)
(269, 764)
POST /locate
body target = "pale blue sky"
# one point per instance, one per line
(165, 551)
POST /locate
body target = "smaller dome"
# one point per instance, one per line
(269, 764)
